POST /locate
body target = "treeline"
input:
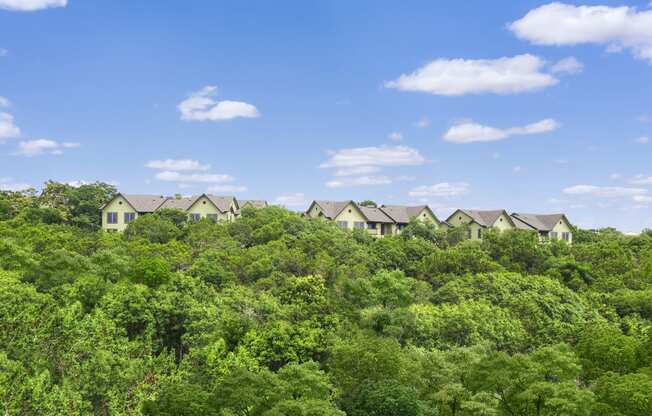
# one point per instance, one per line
(275, 315)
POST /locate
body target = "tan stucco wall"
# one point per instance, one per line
(351, 214)
(203, 206)
(563, 227)
(119, 205)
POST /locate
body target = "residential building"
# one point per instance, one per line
(548, 226)
(402, 215)
(253, 203)
(123, 209)
(478, 221)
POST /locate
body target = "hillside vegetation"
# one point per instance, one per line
(275, 314)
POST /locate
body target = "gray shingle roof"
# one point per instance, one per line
(223, 203)
(402, 214)
(486, 218)
(332, 208)
(145, 203)
(181, 203)
(375, 215)
(256, 203)
(541, 222)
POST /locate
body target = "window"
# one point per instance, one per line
(358, 224)
(479, 233)
(195, 217)
(553, 235)
(129, 217)
(371, 225)
(343, 224)
(565, 236)
(468, 233)
(212, 217)
(111, 217)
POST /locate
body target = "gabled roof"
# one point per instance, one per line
(540, 222)
(256, 203)
(178, 203)
(222, 203)
(403, 214)
(142, 203)
(485, 218)
(373, 214)
(331, 209)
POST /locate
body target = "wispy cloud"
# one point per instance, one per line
(171, 176)
(201, 106)
(374, 156)
(31, 5)
(178, 165)
(568, 65)
(562, 24)
(396, 136)
(470, 132)
(39, 147)
(641, 179)
(507, 75)
(4, 102)
(226, 189)
(292, 200)
(604, 191)
(350, 182)
(642, 140)
(444, 189)
(357, 170)
(422, 124)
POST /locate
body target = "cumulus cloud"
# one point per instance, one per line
(444, 189)
(292, 200)
(178, 165)
(562, 24)
(357, 170)
(8, 130)
(31, 5)
(374, 156)
(641, 180)
(568, 65)
(470, 132)
(507, 75)
(350, 182)
(642, 140)
(201, 106)
(43, 146)
(172, 176)
(604, 191)
(396, 136)
(226, 188)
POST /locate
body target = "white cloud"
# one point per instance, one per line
(31, 5)
(200, 106)
(8, 184)
(4, 102)
(615, 176)
(422, 124)
(8, 129)
(568, 65)
(226, 188)
(641, 180)
(563, 24)
(43, 146)
(444, 189)
(292, 200)
(469, 132)
(642, 140)
(643, 199)
(359, 181)
(170, 176)
(395, 135)
(357, 170)
(521, 73)
(374, 156)
(604, 191)
(178, 165)
(517, 169)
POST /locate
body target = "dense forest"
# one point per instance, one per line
(275, 314)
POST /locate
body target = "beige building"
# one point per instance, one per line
(252, 203)
(378, 221)
(124, 208)
(548, 226)
(479, 220)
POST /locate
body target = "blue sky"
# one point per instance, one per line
(528, 106)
